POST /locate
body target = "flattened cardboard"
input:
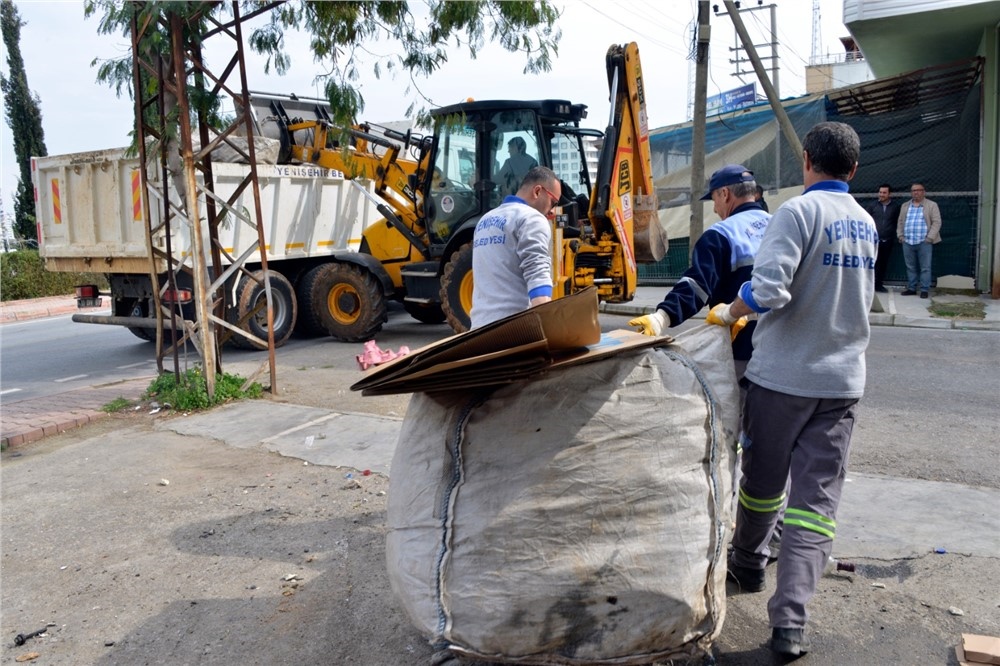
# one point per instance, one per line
(556, 334)
(981, 649)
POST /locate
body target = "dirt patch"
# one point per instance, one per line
(972, 309)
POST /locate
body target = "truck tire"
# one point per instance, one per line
(249, 292)
(456, 289)
(425, 313)
(308, 323)
(147, 334)
(349, 302)
(141, 309)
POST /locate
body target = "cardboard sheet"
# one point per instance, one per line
(981, 649)
(556, 334)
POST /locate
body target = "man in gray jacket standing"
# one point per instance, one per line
(812, 286)
(918, 230)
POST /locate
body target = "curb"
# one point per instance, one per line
(36, 308)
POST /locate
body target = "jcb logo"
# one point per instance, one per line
(639, 90)
(624, 177)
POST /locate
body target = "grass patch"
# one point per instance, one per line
(189, 392)
(958, 310)
(116, 405)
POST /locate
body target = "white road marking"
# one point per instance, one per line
(6, 391)
(134, 365)
(68, 379)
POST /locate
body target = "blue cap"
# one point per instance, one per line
(728, 175)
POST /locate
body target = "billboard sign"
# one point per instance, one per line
(732, 100)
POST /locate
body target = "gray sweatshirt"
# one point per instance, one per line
(511, 261)
(813, 279)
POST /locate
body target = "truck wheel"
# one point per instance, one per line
(250, 292)
(456, 289)
(141, 309)
(349, 302)
(424, 313)
(308, 322)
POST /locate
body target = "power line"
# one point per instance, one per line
(651, 40)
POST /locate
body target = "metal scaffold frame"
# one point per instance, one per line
(167, 76)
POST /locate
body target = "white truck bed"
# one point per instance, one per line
(90, 214)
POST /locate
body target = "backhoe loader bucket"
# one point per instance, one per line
(647, 234)
(273, 113)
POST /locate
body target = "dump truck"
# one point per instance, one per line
(89, 211)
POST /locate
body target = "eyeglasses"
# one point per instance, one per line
(555, 199)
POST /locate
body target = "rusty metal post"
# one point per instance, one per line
(206, 338)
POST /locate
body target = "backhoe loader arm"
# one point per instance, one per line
(392, 176)
(623, 206)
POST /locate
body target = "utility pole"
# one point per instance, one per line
(698, 126)
(772, 45)
(691, 71)
(772, 94)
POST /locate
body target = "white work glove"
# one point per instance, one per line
(721, 315)
(651, 324)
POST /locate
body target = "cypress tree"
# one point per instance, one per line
(24, 117)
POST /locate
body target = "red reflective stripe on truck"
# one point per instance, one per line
(56, 206)
(136, 196)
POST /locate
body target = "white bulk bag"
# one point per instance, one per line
(576, 518)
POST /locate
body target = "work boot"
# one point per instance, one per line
(748, 580)
(790, 642)
(924, 294)
(908, 292)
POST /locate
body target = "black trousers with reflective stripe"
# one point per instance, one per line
(808, 440)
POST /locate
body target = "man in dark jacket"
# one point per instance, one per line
(721, 262)
(885, 212)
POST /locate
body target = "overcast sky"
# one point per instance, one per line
(78, 114)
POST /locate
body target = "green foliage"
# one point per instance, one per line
(24, 117)
(23, 275)
(189, 392)
(116, 405)
(341, 33)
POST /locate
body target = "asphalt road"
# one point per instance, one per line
(44, 357)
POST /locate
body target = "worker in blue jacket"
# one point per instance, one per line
(721, 262)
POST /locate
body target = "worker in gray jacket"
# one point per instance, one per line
(511, 250)
(812, 287)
